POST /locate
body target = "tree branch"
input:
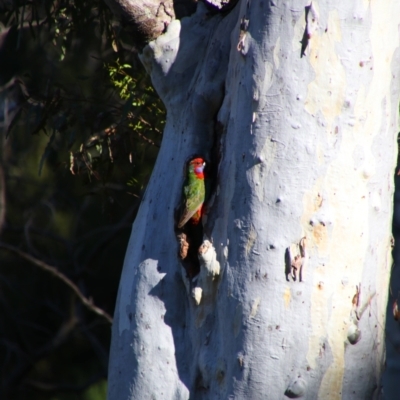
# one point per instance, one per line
(147, 18)
(85, 301)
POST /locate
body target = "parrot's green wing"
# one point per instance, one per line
(194, 193)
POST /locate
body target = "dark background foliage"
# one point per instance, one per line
(80, 129)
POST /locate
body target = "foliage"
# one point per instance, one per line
(81, 130)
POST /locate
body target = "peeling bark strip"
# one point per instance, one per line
(306, 151)
(296, 258)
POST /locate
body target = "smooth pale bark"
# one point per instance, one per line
(306, 136)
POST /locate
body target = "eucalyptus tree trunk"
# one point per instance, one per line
(295, 107)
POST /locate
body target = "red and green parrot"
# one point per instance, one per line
(194, 193)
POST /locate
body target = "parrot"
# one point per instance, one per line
(194, 193)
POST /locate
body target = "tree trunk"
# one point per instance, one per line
(295, 106)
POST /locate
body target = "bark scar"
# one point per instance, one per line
(296, 258)
(244, 26)
(311, 17)
(357, 311)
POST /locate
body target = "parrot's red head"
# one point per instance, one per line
(198, 165)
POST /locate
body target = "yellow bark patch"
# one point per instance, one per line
(320, 235)
(315, 229)
(346, 198)
(287, 296)
(326, 92)
(251, 240)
